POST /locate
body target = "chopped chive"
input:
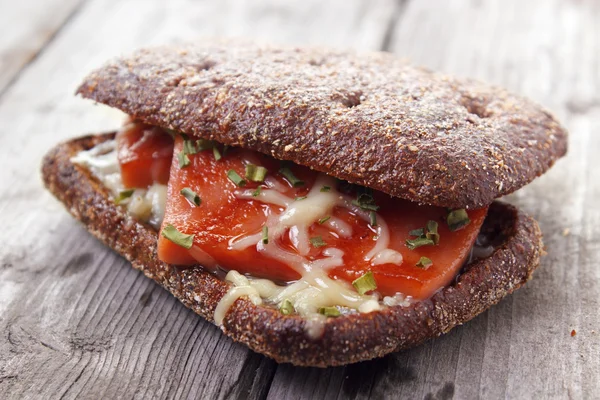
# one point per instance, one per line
(373, 218)
(330, 311)
(457, 219)
(255, 173)
(124, 195)
(366, 202)
(225, 150)
(265, 235)
(424, 263)
(286, 307)
(191, 196)
(432, 232)
(184, 160)
(257, 191)
(236, 178)
(217, 153)
(289, 175)
(189, 147)
(418, 242)
(324, 219)
(365, 283)
(299, 198)
(204, 144)
(181, 239)
(317, 241)
(325, 189)
(417, 232)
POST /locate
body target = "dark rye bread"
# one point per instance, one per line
(370, 119)
(346, 339)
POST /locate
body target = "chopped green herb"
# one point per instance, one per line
(189, 147)
(289, 175)
(373, 218)
(216, 153)
(286, 307)
(432, 232)
(330, 311)
(257, 191)
(317, 241)
(424, 263)
(124, 195)
(265, 235)
(300, 198)
(324, 219)
(184, 160)
(417, 232)
(204, 144)
(236, 178)
(365, 283)
(255, 173)
(181, 239)
(366, 202)
(418, 242)
(457, 219)
(191, 196)
(325, 189)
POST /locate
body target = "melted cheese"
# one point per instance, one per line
(147, 205)
(314, 289)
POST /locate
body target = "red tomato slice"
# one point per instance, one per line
(144, 155)
(222, 217)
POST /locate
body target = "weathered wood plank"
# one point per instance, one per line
(76, 320)
(26, 27)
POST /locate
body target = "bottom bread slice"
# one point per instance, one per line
(346, 339)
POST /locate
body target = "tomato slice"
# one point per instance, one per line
(223, 218)
(144, 155)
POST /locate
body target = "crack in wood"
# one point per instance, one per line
(400, 7)
(33, 57)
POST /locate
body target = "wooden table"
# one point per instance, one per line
(76, 321)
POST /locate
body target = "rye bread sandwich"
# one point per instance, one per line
(321, 207)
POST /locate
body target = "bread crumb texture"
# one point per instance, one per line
(346, 339)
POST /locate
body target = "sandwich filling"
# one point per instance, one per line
(283, 234)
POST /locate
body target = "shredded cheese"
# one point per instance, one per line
(310, 293)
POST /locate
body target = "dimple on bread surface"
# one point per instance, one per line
(371, 118)
(347, 339)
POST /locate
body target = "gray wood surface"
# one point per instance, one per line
(77, 322)
(26, 27)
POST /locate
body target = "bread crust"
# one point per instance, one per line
(346, 339)
(369, 118)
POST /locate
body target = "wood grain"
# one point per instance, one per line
(77, 322)
(27, 26)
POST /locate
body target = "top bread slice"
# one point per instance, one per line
(370, 118)
(347, 339)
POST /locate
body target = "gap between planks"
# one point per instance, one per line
(11, 73)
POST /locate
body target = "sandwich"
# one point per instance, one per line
(320, 207)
